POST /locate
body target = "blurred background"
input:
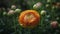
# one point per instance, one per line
(49, 11)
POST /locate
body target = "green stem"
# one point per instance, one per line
(14, 24)
(42, 21)
(29, 31)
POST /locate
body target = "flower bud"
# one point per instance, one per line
(13, 7)
(54, 24)
(17, 10)
(43, 12)
(4, 13)
(37, 5)
(11, 12)
(48, 1)
(47, 5)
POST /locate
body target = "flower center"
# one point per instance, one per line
(29, 18)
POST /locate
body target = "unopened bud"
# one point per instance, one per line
(37, 5)
(17, 10)
(13, 7)
(43, 12)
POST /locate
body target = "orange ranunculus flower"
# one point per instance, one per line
(29, 18)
